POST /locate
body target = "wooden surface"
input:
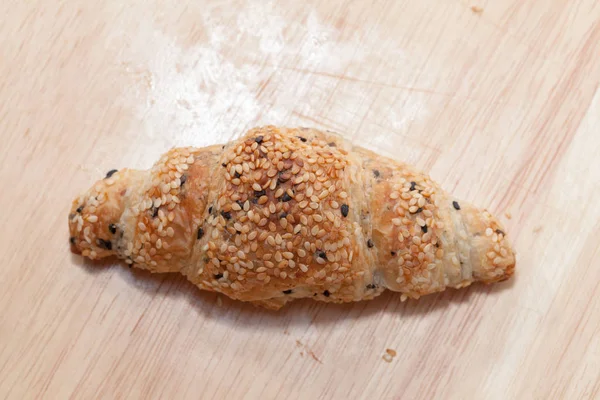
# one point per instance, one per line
(497, 100)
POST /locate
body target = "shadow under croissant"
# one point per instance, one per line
(224, 310)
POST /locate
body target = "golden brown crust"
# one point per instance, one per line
(289, 213)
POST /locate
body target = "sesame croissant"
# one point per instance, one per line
(282, 214)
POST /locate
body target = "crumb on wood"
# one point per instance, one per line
(508, 215)
(476, 9)
(537, 229)
(389, 355)
(312, 354)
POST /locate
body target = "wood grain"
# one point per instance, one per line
(500, 103)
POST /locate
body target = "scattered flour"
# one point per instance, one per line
(204, 93)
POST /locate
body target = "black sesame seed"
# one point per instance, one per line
(239, 203)
(322, 254)
(393, 253)
(285, 198)
(326, 293)
(419, 210)
(218, 276)
(345, 210)
(331, 144)
(79, 209)
(376, 173)
(105, 244)
(283, 215)
(183, 179)
(72, 240)
(370, 243)
(371, 286)
(226, 215)
(259, 194)
(289, 291)
(200, 233)
(210, 210)
(456, 205)
(413, 186)
(500, 232)
(424, 228)
(112, 228)
(303, 139)
(437, 245)
(111, 173)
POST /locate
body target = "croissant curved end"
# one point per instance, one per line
(93, 219)
(497, 259)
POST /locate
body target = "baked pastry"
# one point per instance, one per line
(281, 214)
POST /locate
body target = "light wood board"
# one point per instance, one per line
(497, 100)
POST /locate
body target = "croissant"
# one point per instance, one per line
(282, 214)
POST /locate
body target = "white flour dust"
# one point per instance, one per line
(195, 95)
